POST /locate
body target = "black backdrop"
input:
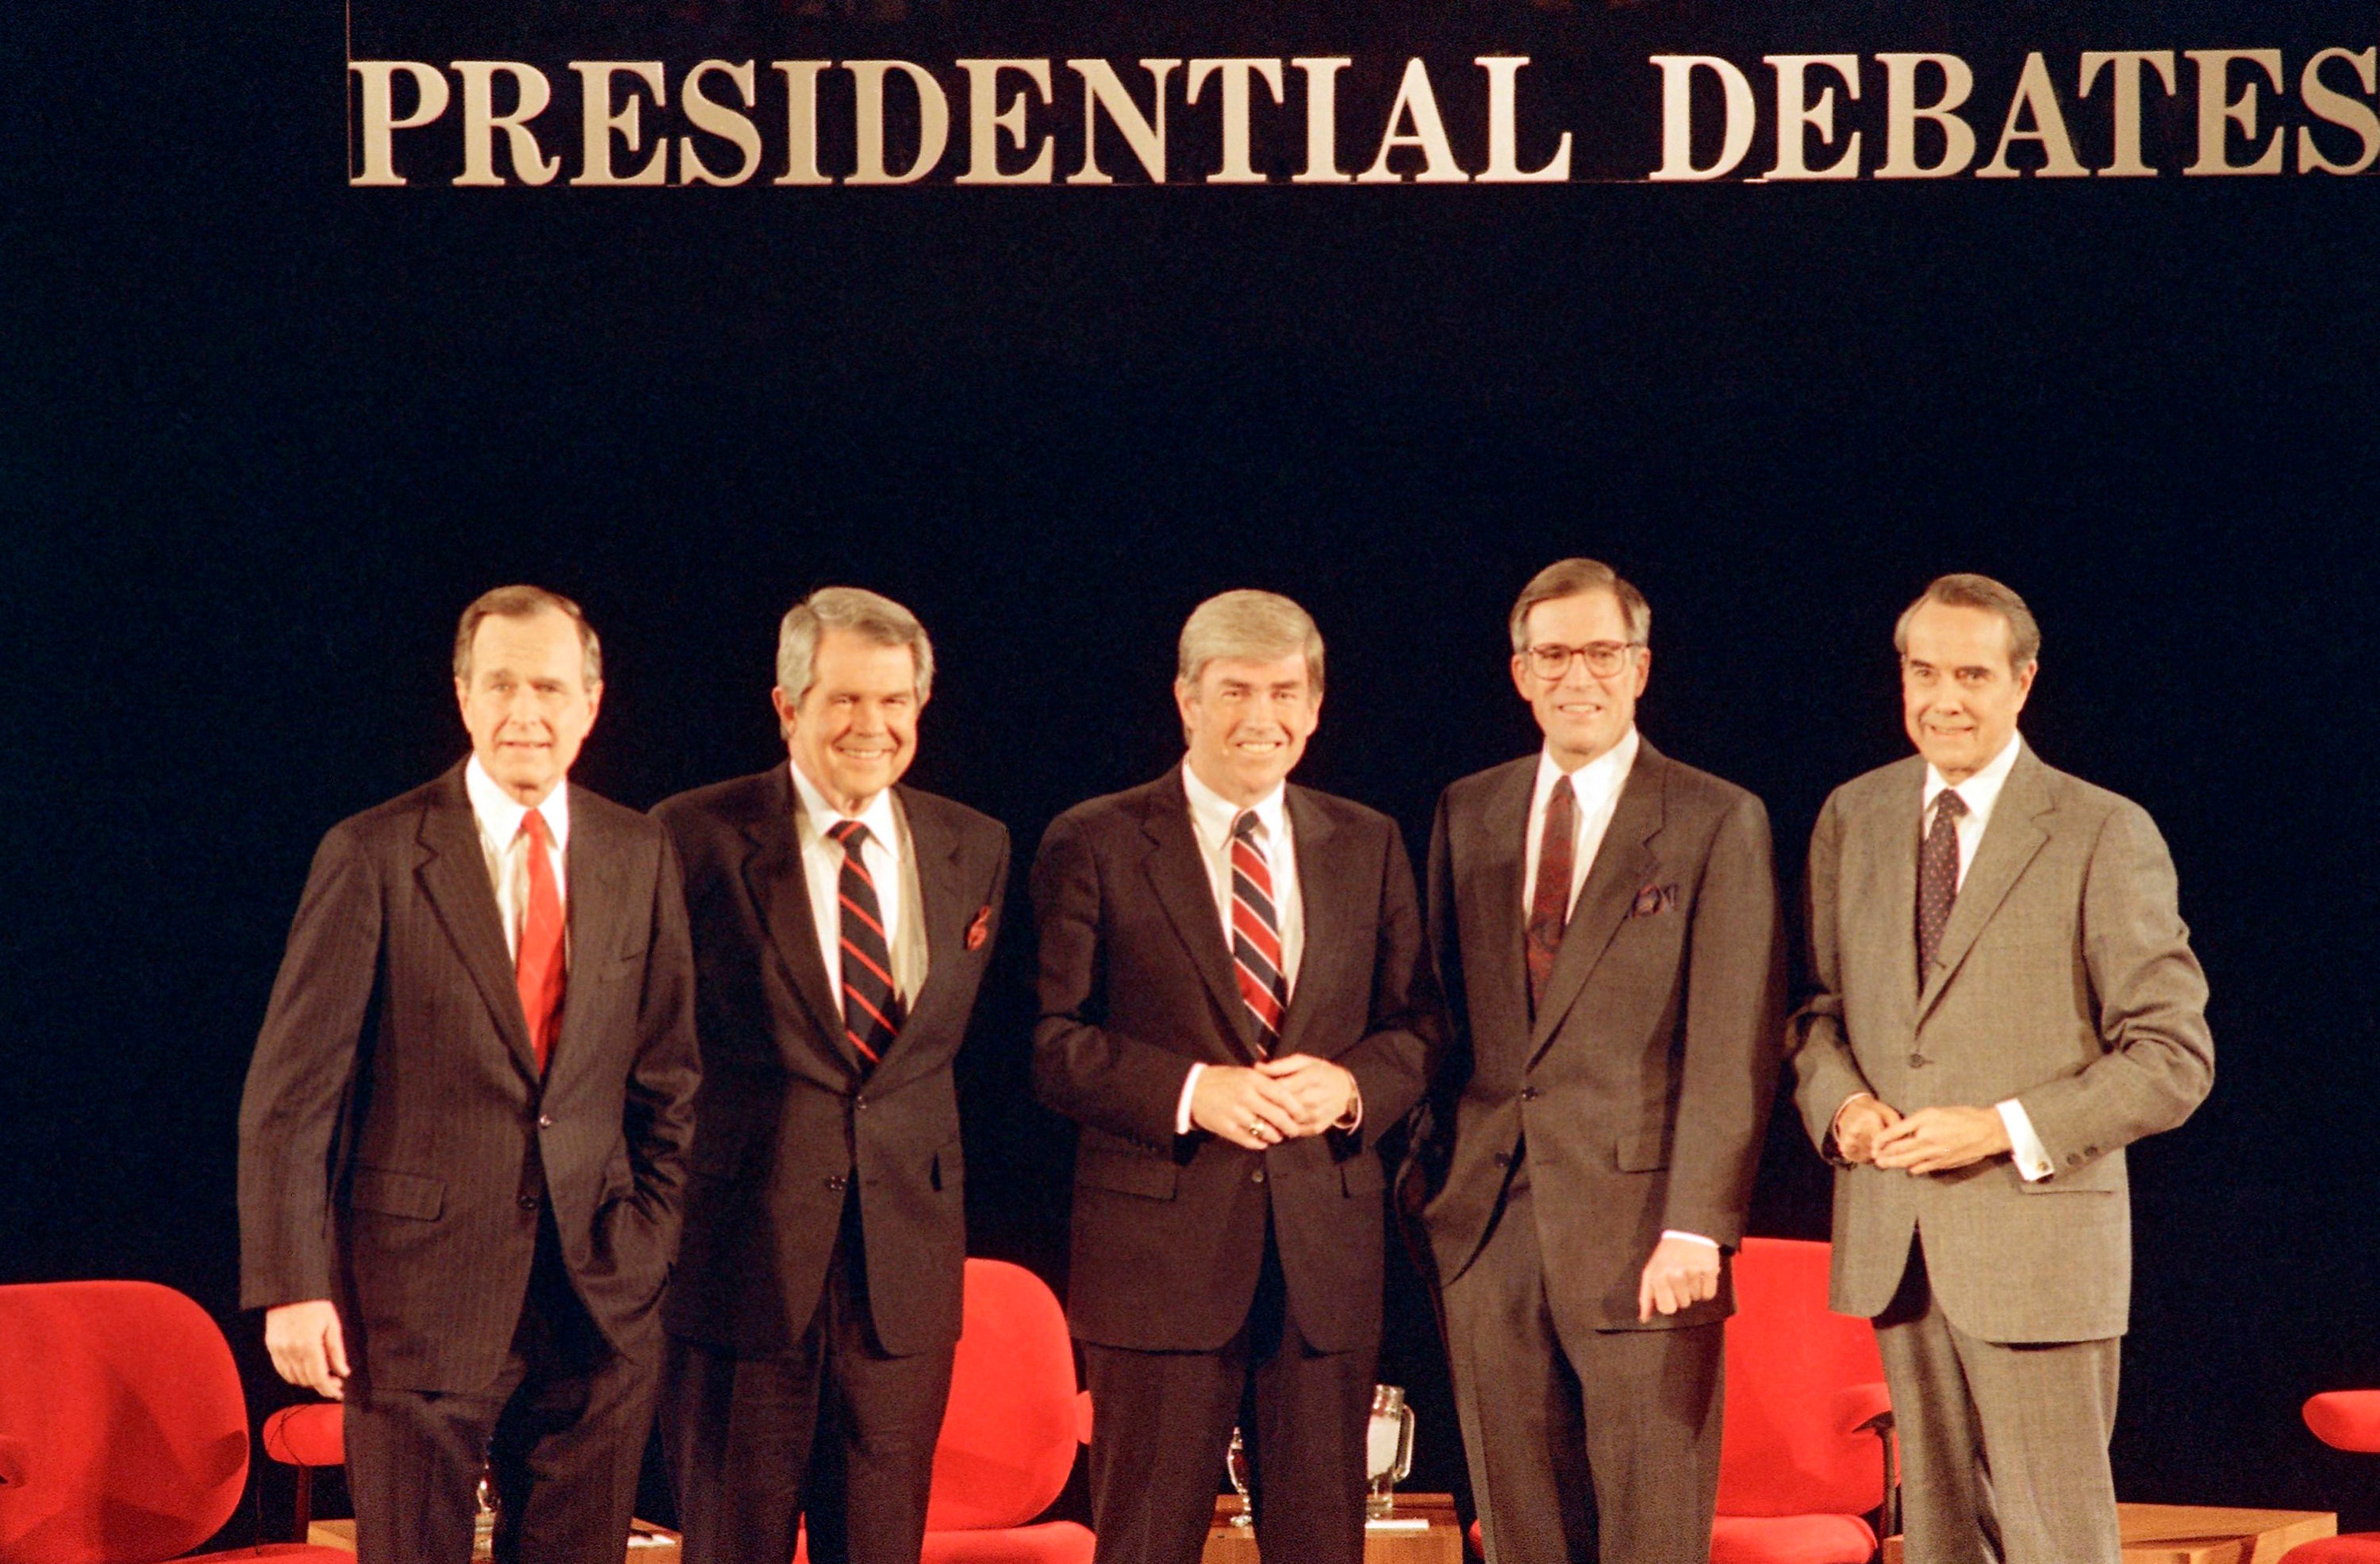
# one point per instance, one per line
(263, 435)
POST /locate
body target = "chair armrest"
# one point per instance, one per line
(1082, 1417)
(1863, 1408)
(312, 1435)
(2346, 1419)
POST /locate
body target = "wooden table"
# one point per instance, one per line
(2191, 1533)
(1440, 1543)
(647, 1543)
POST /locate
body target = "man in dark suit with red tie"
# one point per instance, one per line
(460, 1143)
(1234, 1001)
(1607, 930)
(841, 927)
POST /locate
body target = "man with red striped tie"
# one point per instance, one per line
(842, 925)
(1235, 1000)
(461, 1147)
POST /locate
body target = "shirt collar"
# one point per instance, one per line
(500, 814)
(1218, 813)
(1980, 791)
(878, 816)
(1600, 780)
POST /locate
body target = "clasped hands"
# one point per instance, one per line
(1256, 1108)
(1933, 1140)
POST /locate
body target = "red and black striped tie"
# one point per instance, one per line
(1255, 933)
(871, 1006)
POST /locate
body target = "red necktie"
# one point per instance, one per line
(871, 1005)
(1255, 933)
(537, 965)
(1550, 907)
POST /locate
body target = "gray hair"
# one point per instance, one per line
(1965, 590)
(1256, 626)
(526, 602)
(863, 613)
(1569, 578)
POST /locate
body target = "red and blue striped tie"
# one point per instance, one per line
(1255, 933)
(872, 1005)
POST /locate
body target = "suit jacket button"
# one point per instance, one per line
(859, 1105)
(834, 1180)
(1528, 1094)
(1503, 1159)
(1917, 1062)
(545, 1121)
(1256, 1177)
(528, 1203)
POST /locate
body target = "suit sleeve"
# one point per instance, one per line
(1826, 1075)
(1081, 1068)
(1735, 987)
(2151, 1000)
(300, 1076)
(1433, 1139)
(668, 1067)
(1403, 1035)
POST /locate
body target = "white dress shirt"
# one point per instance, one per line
(1211, 818)
(1979, 793)
(890, 862)
(499, 816)
(1595, 788)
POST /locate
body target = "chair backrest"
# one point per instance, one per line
(123, 1431)
(1008, 1437)
(1786, 1450)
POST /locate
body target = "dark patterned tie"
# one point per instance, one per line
(1550, 908)
(1937, 879)
(1255, 933)
(871, 1008)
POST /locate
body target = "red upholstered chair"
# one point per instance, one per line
(1804, 1462)
(1009, 1434)
(1804, 1459)
(2345, 1420)
(306, 1436)
(123, 1431)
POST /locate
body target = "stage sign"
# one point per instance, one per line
(830, 94)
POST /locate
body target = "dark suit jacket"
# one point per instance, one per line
(1136, 986)
(395, 1139)
(1643, 1085)
(2064, 980)
(784, 1120)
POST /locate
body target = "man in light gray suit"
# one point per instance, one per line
(2001, 997)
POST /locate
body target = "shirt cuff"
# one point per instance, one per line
(1353, 1119)
(1182, 1109)
(1690, 1238)
(2032, 1157)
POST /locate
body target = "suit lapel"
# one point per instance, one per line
(1888, 888)
(1622, 865)
(454, 877)
(1177, 873)
(772, 875)
(1497, 880)
(942, 911)
(2009, 844)
(593, 889)
(1329, 904)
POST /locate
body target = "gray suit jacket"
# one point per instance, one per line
(2064, 980)
(1643, 1083)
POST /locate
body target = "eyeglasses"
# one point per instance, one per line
(1551, 662)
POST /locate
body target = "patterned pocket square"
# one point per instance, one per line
(1652, 899)
(980, 930)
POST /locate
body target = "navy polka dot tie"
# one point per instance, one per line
(1937, 879)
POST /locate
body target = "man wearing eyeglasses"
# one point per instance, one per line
(1606, 926)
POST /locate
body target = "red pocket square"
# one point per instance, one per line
(980, 930)
(1652, 899)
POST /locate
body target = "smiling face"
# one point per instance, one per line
(1582, 713)
(853, 731)
(1959, 696)
(1247, 723)
(526, 701)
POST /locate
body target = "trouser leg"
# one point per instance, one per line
(1651, 1404)
(1946, 1507)
(2047, 1410)
(1307, 1413)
